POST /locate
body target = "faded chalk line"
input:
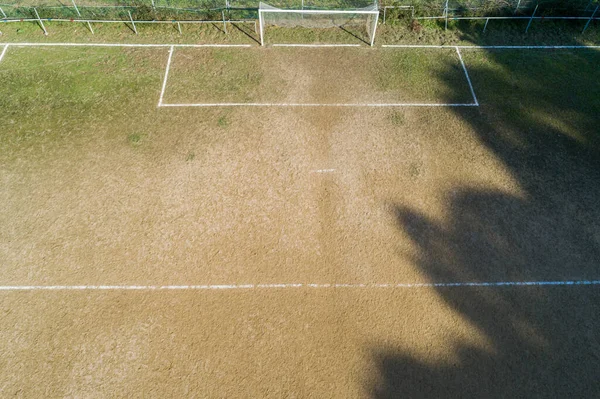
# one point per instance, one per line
(4, 51)
(464, 67)
(16, 44)
(215, 287)
(466, 47)
(164, 86)
(316, 45)
(503, 47)
(320, 105)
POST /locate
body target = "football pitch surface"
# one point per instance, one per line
(299, 222)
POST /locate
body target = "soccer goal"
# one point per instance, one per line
(362, 20)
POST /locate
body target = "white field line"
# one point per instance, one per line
(164, 85)
(3, 52)
(121, 45)
(310, 11)
(316, 45)
(467, 76)
(462, 47)
(317, 105)
(489, 47)
(323, 170)
(209, 287)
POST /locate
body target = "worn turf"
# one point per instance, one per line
(100, 186)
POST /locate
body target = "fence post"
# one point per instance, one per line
(446, 15)
(3, 13)
(589, 4)
(531, 19)
(179, 28)
(590, 20)
(517, 9)
(384, 10)
(224, 24)
(40, 21)
(76, 8)
(260, 25)
(132, 23)
(153, 5)
(487, 21)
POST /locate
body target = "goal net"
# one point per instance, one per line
(358, 22)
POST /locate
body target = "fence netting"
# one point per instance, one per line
(215, 10)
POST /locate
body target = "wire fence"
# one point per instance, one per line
(179, 12)
(585, 11)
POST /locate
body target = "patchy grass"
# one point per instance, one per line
(502, 192)
(223, 121)
(329, 75)
(401, 31)
(49, 95)
(397, 118)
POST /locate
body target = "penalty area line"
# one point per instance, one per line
(164, 85)
(217, 287)
(464, 67)
(3, 52)
(316, 105)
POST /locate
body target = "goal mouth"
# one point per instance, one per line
(358, 22)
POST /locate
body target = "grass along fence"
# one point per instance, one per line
(223, 12)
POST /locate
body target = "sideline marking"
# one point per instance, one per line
(123, 45)
(250, 45)
(487, 47)
(4, 51)
(316, 105)
(164, 85)
(289, 285)
(323, 170)
(467, 76)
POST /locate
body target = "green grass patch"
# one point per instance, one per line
(541, 91)
(51, 96)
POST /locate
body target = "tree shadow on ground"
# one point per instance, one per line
(540, 116)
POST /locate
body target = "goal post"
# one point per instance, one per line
(365, 19)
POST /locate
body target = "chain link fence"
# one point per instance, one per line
(230, 11)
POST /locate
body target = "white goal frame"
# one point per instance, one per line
(261, 23)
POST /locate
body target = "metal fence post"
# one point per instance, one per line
(132, 23)
(487, 21)
(40, 21)
(589, 4)
(3, 13)
(179, 28)
(531, 19)
(517, 9)
(446, 28)
(260, 25)
(224, 24)
(590, 20)
(76, 8)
